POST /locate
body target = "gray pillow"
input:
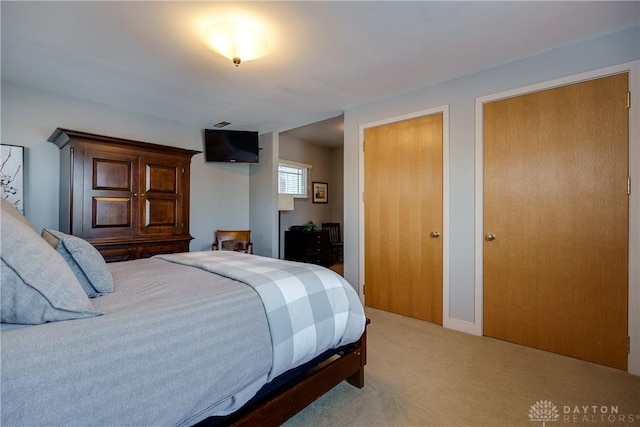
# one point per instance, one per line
(84, 260)
(37, 284)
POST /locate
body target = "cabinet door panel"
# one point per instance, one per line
(110, 195)
(161, 178)
(111, 212)
(161, 212)
(111, 174)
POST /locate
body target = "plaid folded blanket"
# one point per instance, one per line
(310, 309)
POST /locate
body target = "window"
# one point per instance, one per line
(293, 178)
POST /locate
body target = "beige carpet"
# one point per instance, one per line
(420, 374)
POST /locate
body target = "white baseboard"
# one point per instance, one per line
(461, 326)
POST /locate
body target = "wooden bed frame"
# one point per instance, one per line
(278, 406)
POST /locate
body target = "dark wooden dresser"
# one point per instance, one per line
(129, 199)
(308, 246)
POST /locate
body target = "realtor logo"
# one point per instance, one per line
(543, 410)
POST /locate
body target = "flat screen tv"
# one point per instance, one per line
(231, 146)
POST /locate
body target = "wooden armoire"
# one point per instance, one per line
(129, 199)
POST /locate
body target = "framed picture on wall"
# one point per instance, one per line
(320, 192)
(11, 175)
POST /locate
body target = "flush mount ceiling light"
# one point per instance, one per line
(239, 41)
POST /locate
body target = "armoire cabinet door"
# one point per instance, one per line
(161, 197)
(109, 194)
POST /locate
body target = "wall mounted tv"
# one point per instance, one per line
(231, 146)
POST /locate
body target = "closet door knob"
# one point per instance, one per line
(435, 234)
(490, 237)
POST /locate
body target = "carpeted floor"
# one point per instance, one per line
(420, 374)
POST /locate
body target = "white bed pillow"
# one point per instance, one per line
(84, 260)
(37, 284)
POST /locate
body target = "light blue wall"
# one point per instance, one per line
(263, 193)
(460, 95)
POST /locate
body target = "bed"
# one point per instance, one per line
(207, 338)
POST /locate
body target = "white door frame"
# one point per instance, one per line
(633, 68)
(444, 109)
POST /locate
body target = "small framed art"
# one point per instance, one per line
(320, 192)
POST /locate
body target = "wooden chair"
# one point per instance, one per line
(233, 240)
(335, 239)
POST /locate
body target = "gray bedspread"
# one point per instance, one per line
(165, 353)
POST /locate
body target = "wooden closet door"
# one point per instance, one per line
(403, 210)
(556, 220)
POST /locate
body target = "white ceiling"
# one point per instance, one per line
(326, 57)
